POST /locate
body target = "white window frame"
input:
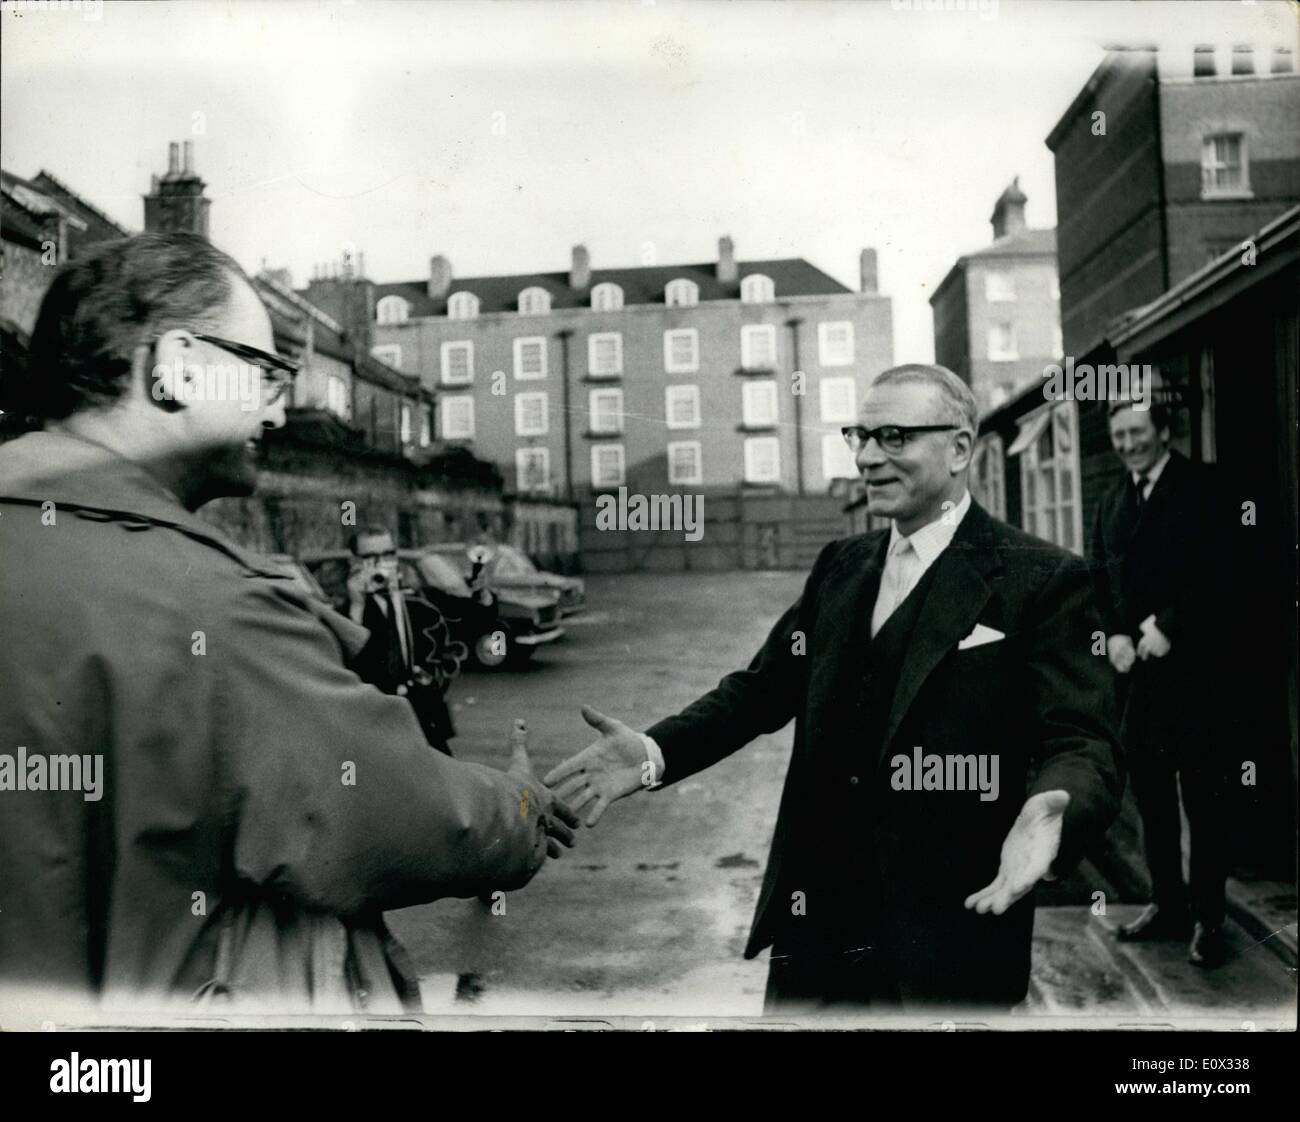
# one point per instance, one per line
(426, 424)
(530, 340)
(464, 402)
(999, 286)
(593, 341)
(392, 309)
(522, 457)
(445, 372)
(522, 402)
(748, 334)
(834, 454)
(534, 301)
(995, 353)
(695, 477)
(462, 305)
(692, 364)
(988, 474)
(827, 389)
(752, 446)
(606, 297)
(620, 475)
(681, 293)
(684, 393)
(1040, 516)
(757, 288)
(758, 403)
(593, 412)
(1211, 166)
(829, 353)
(388, 353)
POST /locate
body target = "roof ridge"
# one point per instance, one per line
(83, 202)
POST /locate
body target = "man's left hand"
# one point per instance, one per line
(1153, 643)
(1030, 848)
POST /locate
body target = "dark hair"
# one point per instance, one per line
(366, 532)
(100, 307)
(1159, 412)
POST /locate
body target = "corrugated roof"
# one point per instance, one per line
(791, 276)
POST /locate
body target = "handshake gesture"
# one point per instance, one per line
(612, 767)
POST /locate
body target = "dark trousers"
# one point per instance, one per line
(806, 980)
(1171, 740)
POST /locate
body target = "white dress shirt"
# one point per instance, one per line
(1152, 475)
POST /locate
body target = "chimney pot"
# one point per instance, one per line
(727, 271)
(173, 158)
(188, 157)
(580, 268)
(439, 277)
(867, 278)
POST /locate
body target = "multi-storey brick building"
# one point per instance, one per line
(656, 377)
(996, 316)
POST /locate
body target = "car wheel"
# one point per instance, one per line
(492, 648)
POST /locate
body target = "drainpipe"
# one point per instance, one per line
(793, 325)
(564, 334)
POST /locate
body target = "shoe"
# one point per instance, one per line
(1208, 947)
(1153, 924)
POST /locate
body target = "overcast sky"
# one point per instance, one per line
(500, 134)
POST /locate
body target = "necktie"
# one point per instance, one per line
(1141, 486)
(895, 582)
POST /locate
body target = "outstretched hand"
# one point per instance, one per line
(611, 768)
(1030, 848)
(558, 820)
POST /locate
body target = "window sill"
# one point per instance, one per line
(746, 427)
(590, 377)
(1232, 196)
(756, 371)
(592, 434)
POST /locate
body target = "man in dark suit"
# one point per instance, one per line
(1156, 556)
(953, 737)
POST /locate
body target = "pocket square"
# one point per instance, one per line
(979, 636)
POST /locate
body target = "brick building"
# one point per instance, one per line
(996, 316)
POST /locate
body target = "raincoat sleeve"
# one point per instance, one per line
(337, 799)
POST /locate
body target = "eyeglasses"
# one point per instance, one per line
(280, 369)
(891, 438)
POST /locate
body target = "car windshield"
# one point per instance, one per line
(511, 563)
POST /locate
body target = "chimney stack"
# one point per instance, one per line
(580, 269)
(867, 279)
(173, 158)
(726, 260)
(1009, 211)
(439, 277)
(176, 202)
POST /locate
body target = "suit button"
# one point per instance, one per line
(853, 780)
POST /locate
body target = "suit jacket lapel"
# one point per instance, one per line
(956, 597)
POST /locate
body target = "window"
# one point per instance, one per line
(392, 309)
(530, 357)
(533, 469)
(758, 346)
(390, 353)
(462, 305)
(837, 460)
(1283, 61)
(987, 482)
(606, 411)
(1203, 61)
(338, 398)
(457, 364)
(531, 414)
(682, 351)
(685, 462)
(458, 417)
(758, 403)
(426, 425)
(1002, 342)
(762, 460)
(1243, 59)
(839, 400)
(607, 468)
(404, 424)
(682, 407)
(534, 302)
(605, 354)
(1049, 476)
(999, 287)
(1223, 166)
(757, 289)
(606, 297)
(682, 294)
(835, 343)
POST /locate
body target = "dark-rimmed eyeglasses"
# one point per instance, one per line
(891, 438)
(279, 370)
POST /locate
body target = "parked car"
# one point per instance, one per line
(511, 568)
(496, 629)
